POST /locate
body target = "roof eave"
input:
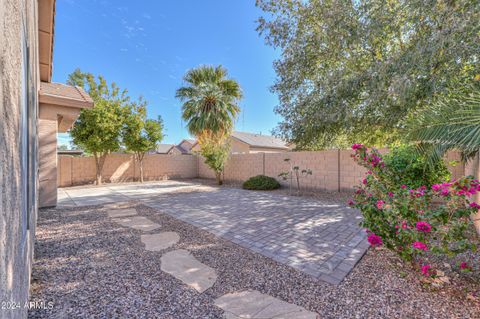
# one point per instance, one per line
(46, 22)
(46, 98)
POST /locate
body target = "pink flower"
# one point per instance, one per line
(380, 204)
(471, 191)
(375, 160)
(426, 270)
(403, 186)
(351, 202)
(437, 187)
(364, 181)
(423, 227)
(375, 240)
(464, 266)
(404, 225)
(420, 246)
(390, 194)
(474, 205)
(357, 146)
(444, 192)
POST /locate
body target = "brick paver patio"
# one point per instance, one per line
(320, 239)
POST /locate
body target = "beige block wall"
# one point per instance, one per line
(122, 168)
(324, 167)
(459, 169)
(332, 170)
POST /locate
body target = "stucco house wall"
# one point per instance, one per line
(237, 146)
(19, 81)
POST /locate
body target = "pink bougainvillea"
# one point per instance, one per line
(380, 204)
(475, 205)
(423, 227)
(426, 270)
(375, 240)
(357, 146)
(420, 246)
(465, 267)
(412, 222)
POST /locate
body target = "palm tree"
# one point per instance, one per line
(453, 122)
(209, 100)
(210, 107)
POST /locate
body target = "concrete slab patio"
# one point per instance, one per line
(320, 239)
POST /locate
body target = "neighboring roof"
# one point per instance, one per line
(185, 149)
(258, 140)
(69, 152)
(164, 148)
(64, 95)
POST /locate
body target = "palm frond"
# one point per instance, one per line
(451, 123)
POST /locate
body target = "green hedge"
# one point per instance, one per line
(261, 182)
(410, 168)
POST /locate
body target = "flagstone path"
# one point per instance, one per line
(255, 305)
(186, 268)
(160, 241)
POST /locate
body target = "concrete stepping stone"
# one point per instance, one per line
(183, 266)
(137, 222)
(255, 305)
(126, 212)
(160, 241)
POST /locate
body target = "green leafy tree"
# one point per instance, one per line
(140, 134)
(210, 107)
(216, 152)
(354, 70)
(98, 130)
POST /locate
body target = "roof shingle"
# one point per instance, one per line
(258, 140)
(66, 92)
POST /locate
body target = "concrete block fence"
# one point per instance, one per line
(332, 170)
(119, 168)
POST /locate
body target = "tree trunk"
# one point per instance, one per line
(218, 177)
(476, 175)
(99, 161)
(298, 181)
(140, 161)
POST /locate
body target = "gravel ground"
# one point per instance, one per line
(90, 267)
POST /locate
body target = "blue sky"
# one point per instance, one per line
(147, 46)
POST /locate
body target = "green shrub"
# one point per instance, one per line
(409, 168)
(261, 182)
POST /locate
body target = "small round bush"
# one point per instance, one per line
(261, 182)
